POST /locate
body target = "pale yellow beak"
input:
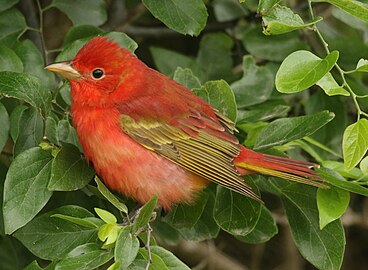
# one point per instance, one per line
(64, 69)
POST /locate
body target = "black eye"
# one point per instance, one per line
(97, 73)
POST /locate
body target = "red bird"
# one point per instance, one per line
(146, 134)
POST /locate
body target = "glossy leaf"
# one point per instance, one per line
(186, 17)
(25, 188)
(83, 11)
(220, 96)
(255, 86)
(355, 143)
(85, 257)
(333, 196)
(26, 88)
(69, 170)
(45, 229)
(302, 69)
(111, 197)
(285, 130)
(126, 247)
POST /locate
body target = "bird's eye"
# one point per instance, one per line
(98, 73)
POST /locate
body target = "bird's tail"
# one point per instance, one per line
(249, 161)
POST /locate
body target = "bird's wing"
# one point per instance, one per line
(197, 143)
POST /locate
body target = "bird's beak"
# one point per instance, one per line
(64, 69)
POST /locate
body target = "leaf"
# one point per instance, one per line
(26, 88)
(362, 65)
(5, 126)
(186, 17)
(126, 247)
(168, 68)
(170, 260)
(83, 11)
(302, 69)
(264, 6)
(144, 215)
(206, 227)
(355, 8)
(255, 86)
(79, 32)
(185, 77)
(106, 216)
(337, 180)
(333, 196)
(274, 47)
(355, 143)
(284, 130)
(236, 213)
(89, 222)
(43, 230)
(330, 86)
(322, 248)
(12, 23)
(25, 188)
(6, 4)
(262, 112)
(264, 230)
(69, 170)
(110, 197)
(183, 216)
(228, 10)
(364, 166)
(85, 257)
(9, 61)
(220, 96)
(33, 62)
(30, 127)
(282, 20)
(165, 233)
(66, 133)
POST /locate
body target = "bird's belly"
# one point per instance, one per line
(129, 168)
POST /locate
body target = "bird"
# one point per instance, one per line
(146, 134)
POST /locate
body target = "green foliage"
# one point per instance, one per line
(293, 82)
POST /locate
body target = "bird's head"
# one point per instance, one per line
(98, 65)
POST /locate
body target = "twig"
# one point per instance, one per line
(147, 246)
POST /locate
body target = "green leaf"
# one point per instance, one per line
(362, 65)
(126, 247)
(262, 112)
(282, 20)
(165, 233)
(228, 10)
(339, 168)
(215, 57)
(236, 213)
(186, 17)
(79, 32)
(33, 266)
(26, 88)
(355, 8)
(108, 233)
(110, 197)
(206, 227)
(333, 196)
(144, 215)
(33, 62)
(5, 126)
(183, 216)
(9, 61)
(355, 143)
(255, 86)
(185, 77)
(322, 248)
(330, 86)
(50, 130)
(85, 257)
(264, 230)
(284, 130)
(302, 69)
(337, 180)
(43, 230)
(106, 216)
(69, 170)
(12, 23)
(364, 166)
(6, 4)
(121, 38)
(168, 68)
(83, 11)
(140, 261)
(264, 6)
(66, 133)
(220, 96)
(170, 260)
(89, 222)
(25, 188)
(274, 47)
